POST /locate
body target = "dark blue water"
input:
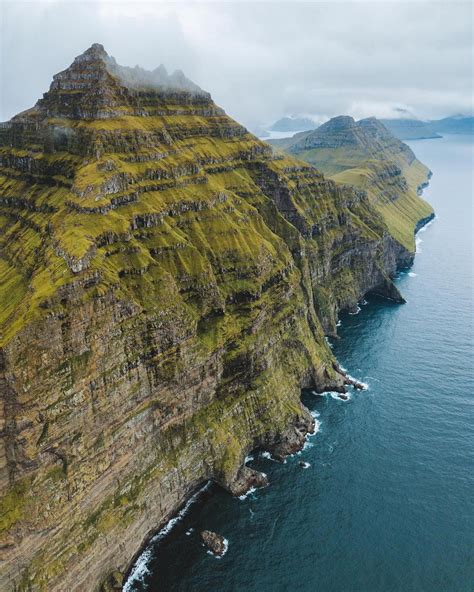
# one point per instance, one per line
(386, 505)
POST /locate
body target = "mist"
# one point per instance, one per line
(260, 61)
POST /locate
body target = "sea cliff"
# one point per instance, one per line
(167, 285)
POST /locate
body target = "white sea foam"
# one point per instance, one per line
(140, 567)
(412, 274)
(364, 385)
(317, 426)
(325, 394)
(247, 493)
(305, 465)
(356, 311)
(268, 456)
(339, 323)
(249, 458)
(315, 413)
(364, 302)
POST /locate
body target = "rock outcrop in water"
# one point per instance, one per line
(366, 155)
(216, 543)
(166, 284)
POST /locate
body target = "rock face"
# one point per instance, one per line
(214, 542)
(166, 284)
(366, 155)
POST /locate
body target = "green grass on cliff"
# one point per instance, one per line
(216, 237)
(401, 208)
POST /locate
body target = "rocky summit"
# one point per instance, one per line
(366, 155)
(166, 286)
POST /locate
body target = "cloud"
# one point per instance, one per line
(259, 60)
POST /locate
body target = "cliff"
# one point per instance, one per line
(366, 155)
(167, 282)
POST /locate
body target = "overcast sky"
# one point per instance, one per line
(260, 61)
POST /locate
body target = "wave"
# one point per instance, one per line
(140, 568)
(412, 274)
(356, 311)
(364, 385)
(268, 456)
(247, 493)
(317, 426)
(305, 465)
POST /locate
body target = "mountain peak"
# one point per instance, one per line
(95, 86)
(94, 52)
(339, 123)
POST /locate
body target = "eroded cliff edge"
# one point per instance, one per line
(166, 286)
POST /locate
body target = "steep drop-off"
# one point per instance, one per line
(166, 283)
(366, 155)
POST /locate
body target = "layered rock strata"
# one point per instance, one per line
(166, 285)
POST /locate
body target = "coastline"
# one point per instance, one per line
(244, 486)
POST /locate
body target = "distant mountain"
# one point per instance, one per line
(414, 129)
(293, 124)
(406, 128)
(367, 155)
(458, 124)
(410, 129)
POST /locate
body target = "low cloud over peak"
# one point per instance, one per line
(259, 62)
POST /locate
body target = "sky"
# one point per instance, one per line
(259, 60)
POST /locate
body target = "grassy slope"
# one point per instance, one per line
(401, 215)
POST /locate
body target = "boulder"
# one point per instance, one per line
(216, 543)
